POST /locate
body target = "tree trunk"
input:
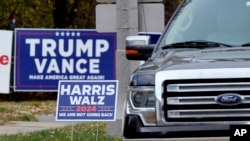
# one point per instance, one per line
(60, 13)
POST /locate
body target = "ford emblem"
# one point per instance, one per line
(229, 99)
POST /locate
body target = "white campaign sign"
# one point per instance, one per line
(5, 60)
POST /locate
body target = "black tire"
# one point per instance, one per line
(132, 126)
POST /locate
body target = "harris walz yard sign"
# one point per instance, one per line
(45, 56)
(87, 100)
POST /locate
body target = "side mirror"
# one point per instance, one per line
(138, 47)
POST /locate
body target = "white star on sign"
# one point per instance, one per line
(57, 33)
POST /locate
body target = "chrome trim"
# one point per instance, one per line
(206, 113)
(131, 109)
(198, 100)
(205, 123)
(211, 73)
(197, 87)
(140, 112)
(137, 40)
(141, 88)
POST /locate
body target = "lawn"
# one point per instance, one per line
(78, 132)
(27, 111)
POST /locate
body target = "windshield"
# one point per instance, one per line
(222, 21)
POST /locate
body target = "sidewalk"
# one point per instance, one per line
(44, 122)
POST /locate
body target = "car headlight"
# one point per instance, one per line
(142, 96)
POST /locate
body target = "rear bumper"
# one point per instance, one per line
(133, 128)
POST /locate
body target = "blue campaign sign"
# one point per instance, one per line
(45, 56)
(86, 100)
(154, 36)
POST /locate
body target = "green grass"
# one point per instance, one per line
(77, 132)
(26, 110)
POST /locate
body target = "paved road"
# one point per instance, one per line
(25, 127)
(45, 122)
(48, 122)
(183, 139)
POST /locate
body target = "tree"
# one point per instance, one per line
(74, 13)
(170, 7)
(48, 13)
(57, 13)
(28, 13)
